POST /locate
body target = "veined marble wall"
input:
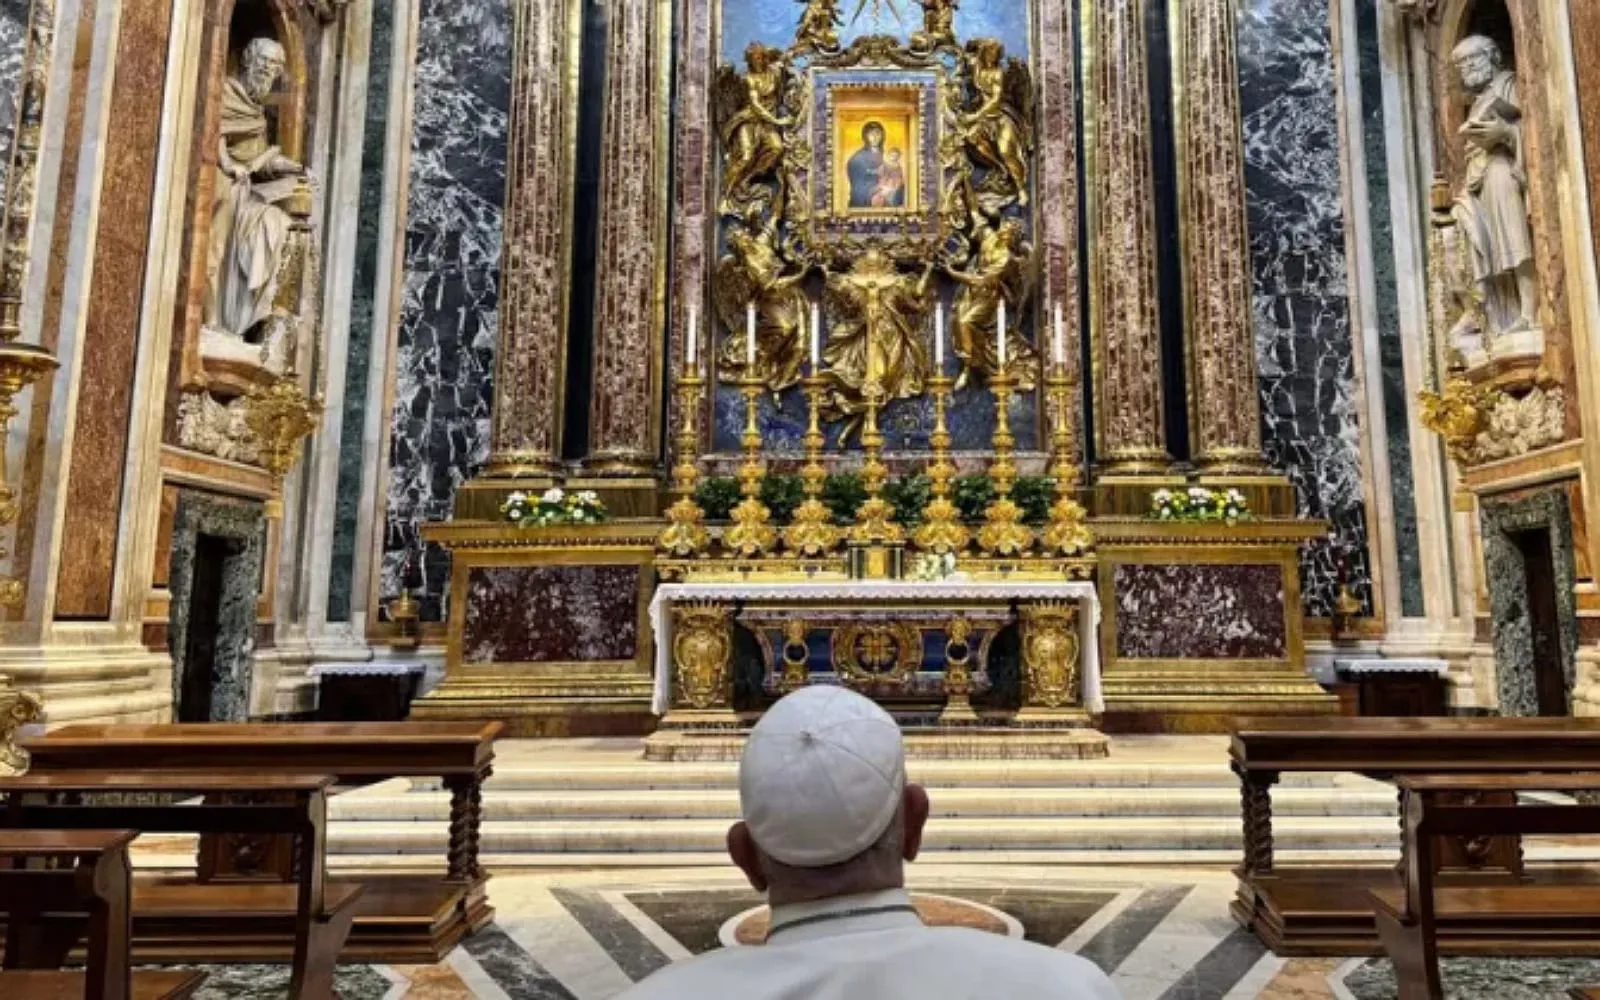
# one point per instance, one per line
(445, 358)
(13, 43)
(363, 296)
(1302, 312)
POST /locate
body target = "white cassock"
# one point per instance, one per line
(874, 947)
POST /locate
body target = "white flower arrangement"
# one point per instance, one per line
(1199, 504)
(554, 506)
(930, 568)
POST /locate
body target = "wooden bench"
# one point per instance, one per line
(39, 984)
(312, 913)
(1324, 910)
(1586, 993)
(92, 874)
(403, 918)
(1468, 805)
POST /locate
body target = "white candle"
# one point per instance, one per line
(938, 338)
(1061, 339)
(750, 334)
(1000, 334)
(694, 335)
(816, 338)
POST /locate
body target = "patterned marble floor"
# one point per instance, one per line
(1161, 934)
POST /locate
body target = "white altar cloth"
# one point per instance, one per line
(953, 591)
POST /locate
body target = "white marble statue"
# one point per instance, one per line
(1491, 209)
(249, 228)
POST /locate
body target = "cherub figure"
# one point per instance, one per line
(819, 25)
(938, 24)
(998, 272)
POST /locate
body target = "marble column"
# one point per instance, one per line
(1225, 399)
(625, 416)
(531, 352)
(1128, 390)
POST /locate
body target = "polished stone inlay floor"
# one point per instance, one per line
(1162, 934)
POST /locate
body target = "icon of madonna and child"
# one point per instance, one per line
(877, 175)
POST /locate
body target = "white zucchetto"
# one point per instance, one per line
(821, 777)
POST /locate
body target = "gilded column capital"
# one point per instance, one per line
(1225, 400)
(531, 355)
(1128, 389)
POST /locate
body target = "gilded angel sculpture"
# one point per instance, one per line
(819, 25)
(877, 334)
(999, 269)
(748, 108)
(754, 271)
(996, 128)
(938, 24)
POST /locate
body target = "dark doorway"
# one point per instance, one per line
(211, 555)
(1544, 620)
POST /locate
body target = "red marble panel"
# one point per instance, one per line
(111, 337)
(551, 614)
(1200, 612)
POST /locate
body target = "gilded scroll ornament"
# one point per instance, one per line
(1050, 655)
(17, 709)
(702, 654)
(1459, 415)
(874, 654)
(752, 133)
(279, 417)
(796, 655)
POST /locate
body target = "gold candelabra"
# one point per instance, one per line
(941, 531)
(1003, 534)
(813, 533)
(875, 524)
(21, 365)
(685, 534)
(752, 534)
(1066, 534)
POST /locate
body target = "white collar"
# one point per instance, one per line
(886, 909)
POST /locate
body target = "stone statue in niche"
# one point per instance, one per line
(1491, 207)
(260, 194)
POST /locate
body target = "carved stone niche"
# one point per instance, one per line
(1493, 280)
(252, 244)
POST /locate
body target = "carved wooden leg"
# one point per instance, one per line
(1255, 808)
(466, 819)
(1052, 657)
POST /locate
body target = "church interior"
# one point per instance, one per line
(434, 432)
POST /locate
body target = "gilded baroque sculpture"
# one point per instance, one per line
(998, 273)
(938, 24)
(1493, 266)
(252, 219)
(754, 272)
(819, 25)
(877, 336)
(17, 709)
(996, 128)
(752, 132)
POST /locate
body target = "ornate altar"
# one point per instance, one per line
(877, 437)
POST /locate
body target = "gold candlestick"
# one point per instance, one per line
(813, 532)
(752, 534)
(941, 531)
(685, 535)
(1003, 533)
(875, 522)
(1066, 533)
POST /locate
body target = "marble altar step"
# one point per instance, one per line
(948, 802)
(1156, 800)
(1024, 833)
